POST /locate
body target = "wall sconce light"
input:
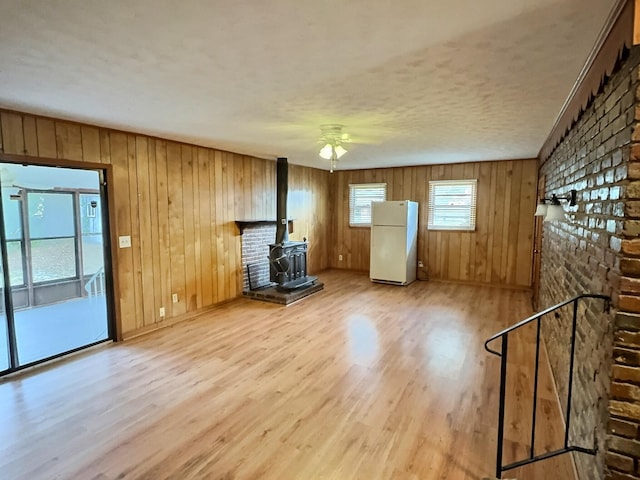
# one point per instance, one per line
(551, 208)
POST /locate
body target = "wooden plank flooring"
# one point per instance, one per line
(359, 381)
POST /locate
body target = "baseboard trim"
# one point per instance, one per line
(481, 284)
(173, 321)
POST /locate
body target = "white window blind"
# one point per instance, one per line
(360, 197)
(452, 204)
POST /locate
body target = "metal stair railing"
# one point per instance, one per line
(504, 334)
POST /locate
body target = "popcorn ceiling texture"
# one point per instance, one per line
(594, 252)
(414, 82)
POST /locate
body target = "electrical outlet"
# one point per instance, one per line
(340, 257)
(174, 297)
(161, 312)
(124, 241)
(420, 264)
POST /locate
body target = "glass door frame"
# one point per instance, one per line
(105, 176)
(12, 344)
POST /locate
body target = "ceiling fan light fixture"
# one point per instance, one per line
(332, 139)
(340, 151)
(326, 152)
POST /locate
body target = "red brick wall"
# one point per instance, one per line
(255, 250)
(589, 253)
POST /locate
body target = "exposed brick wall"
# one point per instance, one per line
(255, 251)
(588, 253)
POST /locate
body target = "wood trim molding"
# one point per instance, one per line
(244, 224)
(620, 32)
(52, 162)
(636, 23)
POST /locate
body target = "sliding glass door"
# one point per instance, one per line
(56, 250)
(5, 355)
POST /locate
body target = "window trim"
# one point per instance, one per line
(355, 187)
(473, 207)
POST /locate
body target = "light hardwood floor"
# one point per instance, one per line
(359, 381)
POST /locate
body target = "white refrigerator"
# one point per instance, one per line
(394, 242)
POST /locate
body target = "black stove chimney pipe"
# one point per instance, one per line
(282, 190)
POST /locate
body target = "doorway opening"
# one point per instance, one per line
(54, 248)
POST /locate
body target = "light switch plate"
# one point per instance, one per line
(124, 241)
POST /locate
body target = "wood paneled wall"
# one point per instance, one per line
(499, 250)
(179, 203)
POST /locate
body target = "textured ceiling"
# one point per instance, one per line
(413, 81)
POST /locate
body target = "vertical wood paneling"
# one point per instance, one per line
(197, 239)
(179, 204)
(136, 249)
(420, 185)
(455, 238)
(123, 227)
(188, 216)
(466, 237)
(90, 138)
(491, 233)
(230, 229)
(497, 252)
(241, 197)
(236, 195)
(204, 203)
(224, 211)
(46, 130)
(154, 222)
(68, 141)
(258, 174)
(164, 247)
(510, 226)
(12, 133)
(341, 214)
(176, 227)
(308, 192)
(222, 290)
(498, 210)
(105, 149)
(188, 229)
(526, 224)
(145, 241)
(30, 136)
(214, 226)
(482, 221)
(271, 187)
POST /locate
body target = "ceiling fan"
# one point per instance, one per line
(333, 141)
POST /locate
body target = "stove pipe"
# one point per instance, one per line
(282, 189)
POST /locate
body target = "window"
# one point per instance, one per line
(12, 209)
(452, 204)
(52, 232)
(360, 198)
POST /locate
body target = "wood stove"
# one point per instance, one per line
(287, 259)
(288, 264)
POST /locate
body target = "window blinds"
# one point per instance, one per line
(452, 204)
(360, 197)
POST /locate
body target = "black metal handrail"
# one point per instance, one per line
(504, 334)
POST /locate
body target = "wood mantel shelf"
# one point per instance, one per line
(244, 224)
